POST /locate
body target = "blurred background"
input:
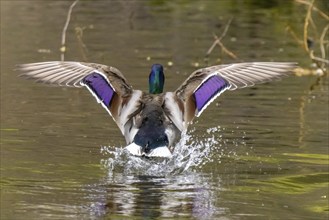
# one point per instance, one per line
(260, 153)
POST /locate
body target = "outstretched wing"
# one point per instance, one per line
(106, 83)
(204, 85)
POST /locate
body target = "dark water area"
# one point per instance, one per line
(255, 153)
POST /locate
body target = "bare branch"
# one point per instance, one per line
(225, 50)
(218, 39)
(82, 46)
(319, 59)
(294, 35)
(226, 29)
(307, 19)
(323, 51)
(324, 15)
(211, 48)
(63, 48)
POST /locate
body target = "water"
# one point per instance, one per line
(257, 153)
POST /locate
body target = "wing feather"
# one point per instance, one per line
(238, 75)
(71, 74)
(106, 83)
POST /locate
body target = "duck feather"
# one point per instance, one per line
(170, 112)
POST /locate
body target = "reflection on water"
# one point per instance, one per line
(186, 195)
(156, 187)
(57, 154)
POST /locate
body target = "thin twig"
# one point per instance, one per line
(323, 51)
(220, 38)
(294, 35)
(319, 59)
(321, 62)
(307, 19)
(82, 46)
(63, 48)
(324, 15)
(211, 48)
(316, 33)
(226, 29)
(225, 50)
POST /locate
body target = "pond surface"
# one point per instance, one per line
(256, 153)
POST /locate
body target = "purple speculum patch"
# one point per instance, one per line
(100, 87)
(208, 89)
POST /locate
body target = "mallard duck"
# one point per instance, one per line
(152, 123)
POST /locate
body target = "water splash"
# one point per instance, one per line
(192, 152)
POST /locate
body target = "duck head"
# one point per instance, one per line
(156, 79)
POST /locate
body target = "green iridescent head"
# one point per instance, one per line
(156, 79)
